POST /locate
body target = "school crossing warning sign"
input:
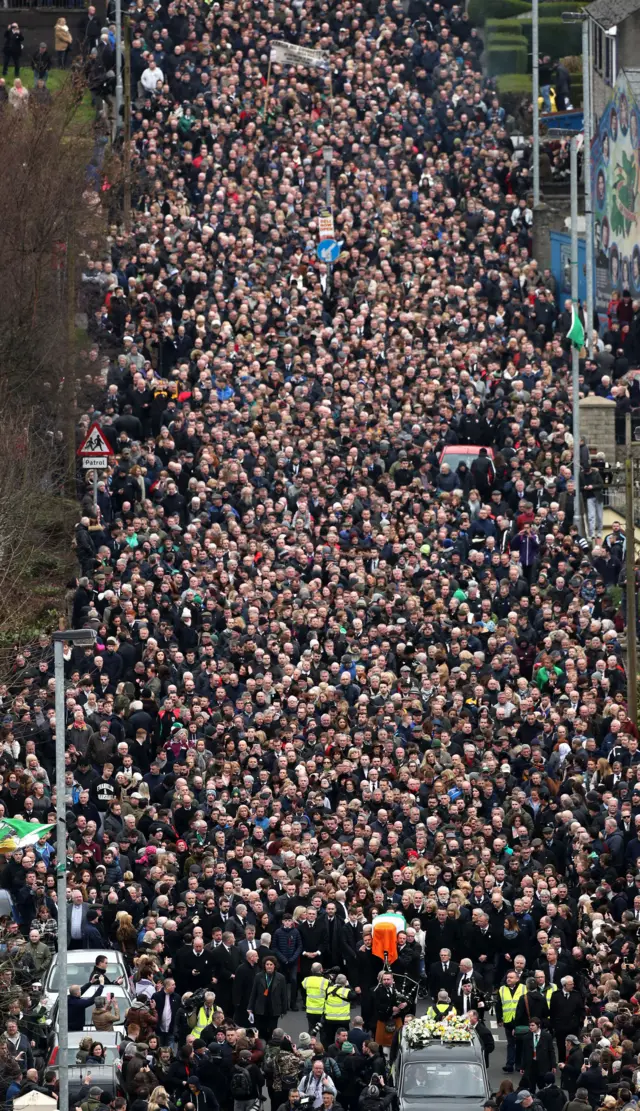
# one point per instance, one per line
(95, 449)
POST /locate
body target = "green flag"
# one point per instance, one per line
(17, 834)
(576, 331)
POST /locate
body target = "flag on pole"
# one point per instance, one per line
(16, 834)
(576, 331)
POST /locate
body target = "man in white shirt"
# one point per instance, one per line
(151, 77)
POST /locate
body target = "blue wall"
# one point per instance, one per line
(560, 266)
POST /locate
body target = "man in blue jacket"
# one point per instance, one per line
(77, 1004)
(287, 944)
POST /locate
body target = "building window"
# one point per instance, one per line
(605, 58)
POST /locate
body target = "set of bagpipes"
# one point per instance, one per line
(406, 987)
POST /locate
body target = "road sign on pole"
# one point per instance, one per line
(94, 462)
(328, 250)
(94, 444)
(326, 228)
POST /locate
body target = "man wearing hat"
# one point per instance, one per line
(94, 1099)
(202, 1098)
(525, 1100)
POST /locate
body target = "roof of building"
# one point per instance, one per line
(608, 13)
(633, 77)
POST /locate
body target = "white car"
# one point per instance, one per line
(119, 992)
(80, 965)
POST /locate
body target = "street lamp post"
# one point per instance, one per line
(80, 638)
(535, 70)
(575, 355)
(327, 154)
(119, 85)
(583, 18)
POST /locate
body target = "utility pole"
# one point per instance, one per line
(81, 638)
(575, 354)
(586, 164)
(630, 568)
(126, 154)
(61, 872)
(69, 382)
(327, 154)
(118, 126)
(583, 18)
(535, 68)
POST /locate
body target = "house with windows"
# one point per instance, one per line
(615, 34)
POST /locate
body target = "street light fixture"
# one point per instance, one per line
(80, 638)
(583, 18)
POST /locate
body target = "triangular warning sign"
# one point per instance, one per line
(95, 443)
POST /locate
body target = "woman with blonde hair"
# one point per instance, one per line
(126, 934)
(63, 40)
(159, 1100)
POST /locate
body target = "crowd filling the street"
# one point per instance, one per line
(354, 747)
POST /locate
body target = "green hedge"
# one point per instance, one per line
(556, 38)
(506, 59)
(503, 26)
(515, 41)
(514, 83)
(483, 11)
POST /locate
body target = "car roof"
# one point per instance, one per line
(90, 956)
(107, 1037)
(465, 449)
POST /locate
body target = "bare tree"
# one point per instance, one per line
(48, 215)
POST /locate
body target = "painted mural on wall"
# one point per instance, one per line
(615, 181)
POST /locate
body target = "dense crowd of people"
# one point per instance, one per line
(334, 675)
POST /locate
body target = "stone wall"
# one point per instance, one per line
(598, 425)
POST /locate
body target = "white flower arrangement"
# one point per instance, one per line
(450, 1028)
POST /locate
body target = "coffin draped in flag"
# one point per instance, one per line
(386, 928)
(16, 834)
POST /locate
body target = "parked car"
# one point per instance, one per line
(438, 1071)
(80, 964)
(119, 992)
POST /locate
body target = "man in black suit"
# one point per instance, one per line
(466, 976)
(481, 945)
(225, 961)
(468, 1000)
(248, 942)
(442, 933)
(484, 1033)
(241, 987)
(553, 969)
(350, 942)
(193, 966)
(443, 974)
(566, 1013)
(315, 941)
(368, 966)
(538, 1055)
(167, 1003)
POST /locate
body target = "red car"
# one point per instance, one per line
(453, 454)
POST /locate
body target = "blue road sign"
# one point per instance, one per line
(328, 250)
